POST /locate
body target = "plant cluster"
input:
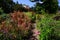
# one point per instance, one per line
(48, 27)
(17, 26)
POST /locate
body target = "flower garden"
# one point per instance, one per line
(37, 20)
(17, 26)
(28, 26)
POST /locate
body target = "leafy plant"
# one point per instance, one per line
(47, 26)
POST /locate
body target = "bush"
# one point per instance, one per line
(47, 27)
(14, 27)
(1, 11)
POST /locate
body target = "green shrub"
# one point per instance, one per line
(47, 26)
(1, 11)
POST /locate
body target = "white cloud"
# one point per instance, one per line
(59, 4)
(40, 2)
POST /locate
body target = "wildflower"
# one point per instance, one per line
(3, 23)
(4, 30)
(36, 32)
(23, 24)
(10, 26)
(0, 27)
(19, 22)
(14, 16)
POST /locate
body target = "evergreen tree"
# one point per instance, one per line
(7, 5)
(38, 8)
(51, 6)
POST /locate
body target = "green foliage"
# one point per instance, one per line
(32, 16)
(7, 5)
(39, 8)
(1, 11)
(47, 27)
(17, 7)
(51, 6)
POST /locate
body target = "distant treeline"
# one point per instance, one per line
(48, 6)
(9, 6)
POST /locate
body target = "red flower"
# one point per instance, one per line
(24, 24)
(14, 16)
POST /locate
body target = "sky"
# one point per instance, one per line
(27, 2)
(59, 2)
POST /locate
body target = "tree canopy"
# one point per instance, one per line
(7, 5)
(50, 6)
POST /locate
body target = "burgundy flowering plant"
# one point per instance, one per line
(17, 27)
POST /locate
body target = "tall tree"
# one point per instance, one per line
(6, 5)
(38, 8)
(51, 6)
